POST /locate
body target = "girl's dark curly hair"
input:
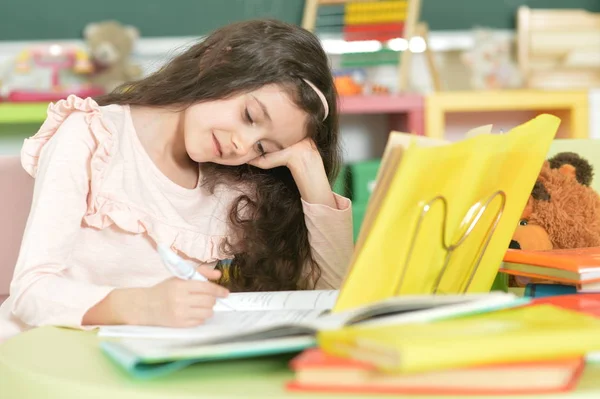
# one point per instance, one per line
(271, 250)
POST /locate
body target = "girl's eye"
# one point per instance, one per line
(260, 148)
(523, 222)
(248, 117)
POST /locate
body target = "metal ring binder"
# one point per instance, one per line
(450, 247)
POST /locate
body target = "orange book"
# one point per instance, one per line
(588, 303)
(571, 266)
(316, 371)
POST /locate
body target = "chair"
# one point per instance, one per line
(16, 187)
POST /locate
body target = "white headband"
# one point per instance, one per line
(321, 96)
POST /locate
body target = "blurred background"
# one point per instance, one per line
(428, 67)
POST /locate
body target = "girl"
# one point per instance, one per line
(226, 153)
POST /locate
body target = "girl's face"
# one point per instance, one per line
(239, 129)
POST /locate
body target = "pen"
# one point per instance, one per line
(183, 270)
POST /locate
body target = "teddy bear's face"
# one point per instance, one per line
(110, 42)
(529, 235)
(562, 212)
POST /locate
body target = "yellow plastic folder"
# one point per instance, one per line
(529, 333)
(442, 215)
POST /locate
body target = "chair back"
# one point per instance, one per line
(16, 188)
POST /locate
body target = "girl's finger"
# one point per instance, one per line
(209, 272)
(201, 301)
(200, 313)
(207, 288)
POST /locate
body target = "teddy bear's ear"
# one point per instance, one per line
(571, 164)
(568, 170)
(90, 30)
(132, 32)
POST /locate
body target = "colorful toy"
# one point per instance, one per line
(66, 64)
(349, 82)
(371, 28)
(110, 45)
(563, 211)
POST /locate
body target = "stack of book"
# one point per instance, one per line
(576, 268)
(539, 347)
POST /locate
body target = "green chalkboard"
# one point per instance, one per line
(65, 19)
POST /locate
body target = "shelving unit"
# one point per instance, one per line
(397, 106)
(406, 112)
(437, 105)
(13, 113)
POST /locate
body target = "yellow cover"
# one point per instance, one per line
(466, 174)
(529, 333)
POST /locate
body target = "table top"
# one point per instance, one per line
(60, 363)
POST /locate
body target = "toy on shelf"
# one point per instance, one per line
(559, 48)
(29, 81)
(379, 31)
(110, 45)
(355, 82)
(490, 62)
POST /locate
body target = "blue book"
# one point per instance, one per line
(543, 290)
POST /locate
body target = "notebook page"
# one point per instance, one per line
(220, 325)
(278, 300)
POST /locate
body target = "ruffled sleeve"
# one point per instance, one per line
(62, 157)
(331, 240)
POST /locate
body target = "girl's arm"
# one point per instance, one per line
(41, 293)
(328, 216)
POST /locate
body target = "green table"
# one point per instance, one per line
(57, 363)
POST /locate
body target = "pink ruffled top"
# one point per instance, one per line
(101, 205)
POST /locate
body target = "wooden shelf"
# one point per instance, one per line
(576, 102)
(380, 104)
(22, 112)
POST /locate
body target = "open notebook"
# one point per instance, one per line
(275, 323)
(266, 315)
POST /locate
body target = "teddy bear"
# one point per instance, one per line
(562, 212)
(490, 64)
(110, 45)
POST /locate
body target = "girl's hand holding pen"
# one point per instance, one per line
(182, 303)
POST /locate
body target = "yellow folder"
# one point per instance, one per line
(442, 215)
(529, 333)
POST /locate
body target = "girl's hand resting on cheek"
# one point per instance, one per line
(182, 303)
(306, 165)
(291, 157)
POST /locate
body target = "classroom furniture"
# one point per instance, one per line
(54, 363)
(17, 189)
(574, 102)
(406, 111)
(14, 113)
(558, 48)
